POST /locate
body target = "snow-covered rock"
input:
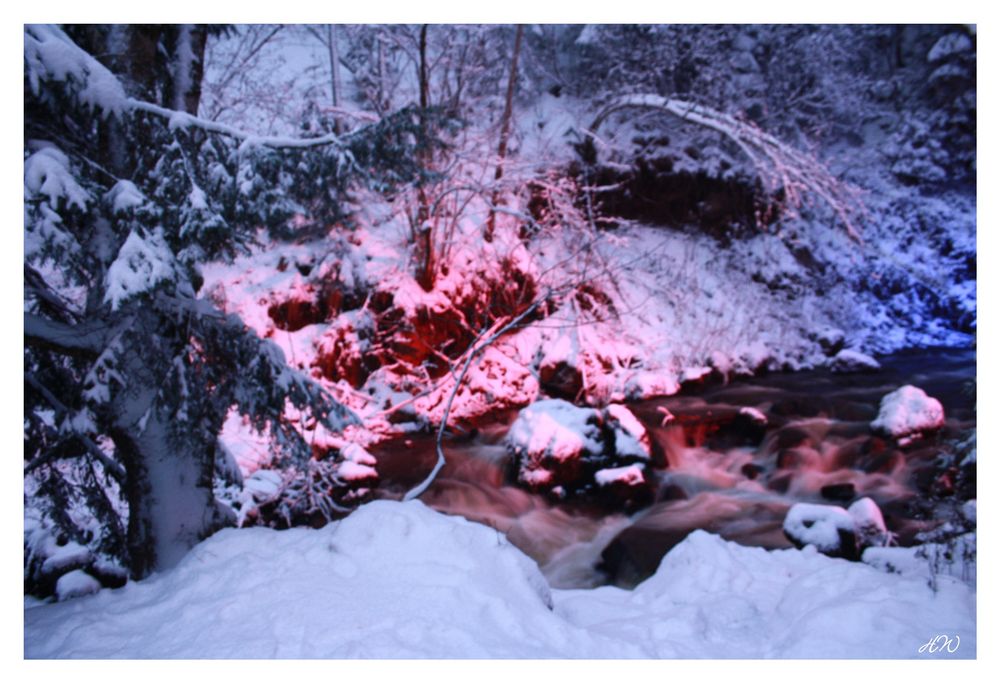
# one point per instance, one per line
(555, 444)
(849, 360)
(908, 411)
(630, 475)
(837, 532)
(357, 464)
(754, 414)
(969, 510)
(831, 340)
(75, 584)
(631, 438)
(829, 528)
(869, 525)
(554, 433)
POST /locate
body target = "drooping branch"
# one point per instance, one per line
(488, 337)
(113, 467)
(86, 338)
(178, 119)
(779, 165)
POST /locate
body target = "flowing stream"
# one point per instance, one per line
(714, 469)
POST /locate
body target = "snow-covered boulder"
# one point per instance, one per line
(869, 525)
(549, 441)
(559, 447)
(850, 361)
(829, 528)
(624, 487)
(631, 438)
(831, 340)
(75, 584)
(908, 412)
(834, 531)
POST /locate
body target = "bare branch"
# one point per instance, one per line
(491, 335)
(777, 164)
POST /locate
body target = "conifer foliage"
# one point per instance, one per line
(128, 373)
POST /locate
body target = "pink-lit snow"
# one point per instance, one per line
(908, 410)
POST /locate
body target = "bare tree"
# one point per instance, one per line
(504, 131)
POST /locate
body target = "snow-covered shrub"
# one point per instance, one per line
(325, 488)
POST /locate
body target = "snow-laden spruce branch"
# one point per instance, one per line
(179, 119)
(110, 465)
(778, 165)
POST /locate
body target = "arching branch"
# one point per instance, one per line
(779, 165)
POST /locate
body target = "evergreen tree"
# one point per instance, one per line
(128, 374)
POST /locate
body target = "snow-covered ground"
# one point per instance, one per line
(398, 580)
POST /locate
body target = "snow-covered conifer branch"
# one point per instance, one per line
(179, 119)
(780, 166)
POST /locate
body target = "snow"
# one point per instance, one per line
(849, 360)
(358, 464)
(263, 484)
(818, 525)
(142, 264)
(397, 580)
(47, 172)
(50, 55)
(124, 196)
(949, 45)
(556, 429)
(907, 411)
(631, 439)
(75, 584)
(64, 556)
(869, 526)
(629, 474)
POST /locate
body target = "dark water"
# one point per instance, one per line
(715, 470)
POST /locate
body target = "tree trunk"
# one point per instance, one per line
(505, 120)
(169, 494)
(331, 44)
(424, 236)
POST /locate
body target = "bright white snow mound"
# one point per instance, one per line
(908, 410)
(400, 580)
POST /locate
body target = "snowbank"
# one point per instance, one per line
(907, 411)
(399, 580)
